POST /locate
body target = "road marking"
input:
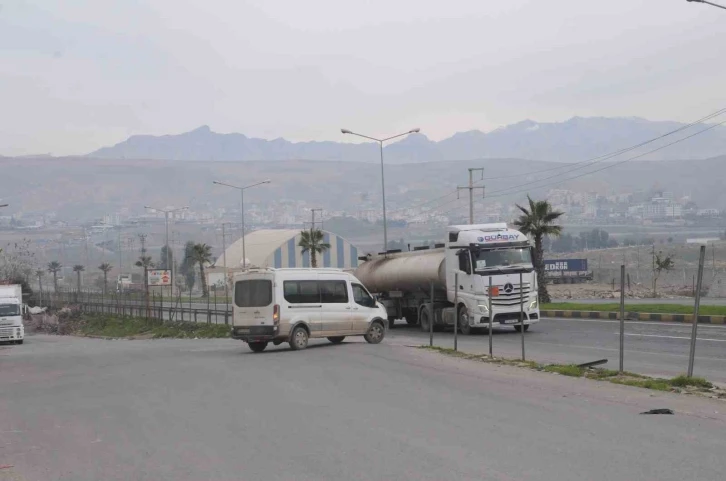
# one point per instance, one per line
(672, 337)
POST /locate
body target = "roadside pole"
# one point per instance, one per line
(521, 312)
(694, 330)
(456, 310)
(622, 317)
(431, 317)
(491, 318)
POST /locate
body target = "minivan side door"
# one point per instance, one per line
(335, 315)
(303, 303)
(363, 304)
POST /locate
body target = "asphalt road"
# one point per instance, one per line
(652, 348)
(84, 409)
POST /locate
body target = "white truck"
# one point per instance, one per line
(403, 281)
(11, 314)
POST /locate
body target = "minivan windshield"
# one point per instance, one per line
(501, 258)
(9, 310)
(253, 293)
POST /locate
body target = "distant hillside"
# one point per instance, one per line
(573, 140)
(78, 188)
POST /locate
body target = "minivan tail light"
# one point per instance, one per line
(276, 315)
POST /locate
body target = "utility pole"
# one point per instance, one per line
(224, 262)
(471, 188)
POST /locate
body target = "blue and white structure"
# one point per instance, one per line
(279, 248)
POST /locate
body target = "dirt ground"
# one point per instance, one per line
(593, 290)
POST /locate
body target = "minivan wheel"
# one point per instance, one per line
(336, 339)
(375, 333)
(298, 338)
(257, 346)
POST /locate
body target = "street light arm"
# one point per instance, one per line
(709, 3)
(345, 131)
(267, 181)
(412, 131)
(226, 185)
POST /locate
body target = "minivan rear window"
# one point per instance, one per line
(253, 293)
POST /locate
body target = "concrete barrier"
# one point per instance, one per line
(634, 316)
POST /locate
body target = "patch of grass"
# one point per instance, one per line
(117, 326)
(685, 381)
(601, 373)
(652, 308)
(566, 369)
(677, 384)
(655, 384)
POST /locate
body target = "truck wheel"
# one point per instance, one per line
(375, 333)
(463, 321)
(257, 346)
(391, 322)
(424, 320)
(336, 339)
(298, 338)
(20, 341)
(519, 328)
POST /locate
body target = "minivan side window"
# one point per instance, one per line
(253, 293)
(361, 296)
(333, 292)
(301, 292)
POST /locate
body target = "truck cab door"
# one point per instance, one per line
(466, 278)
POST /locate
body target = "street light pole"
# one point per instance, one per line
(169, 263)
(383, 180)
(709, 3)
(242, 209)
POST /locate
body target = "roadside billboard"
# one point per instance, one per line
(159, 277)
(565, 265)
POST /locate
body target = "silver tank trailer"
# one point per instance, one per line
(405, 271)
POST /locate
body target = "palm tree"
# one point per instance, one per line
(78, 269)
(538, 222)
(146, 263)
(105, 268)
(312, 241)
(202, 254)
(54, 268)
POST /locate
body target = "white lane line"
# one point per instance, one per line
(652, 323)
(672, 337)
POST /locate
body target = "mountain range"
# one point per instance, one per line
(576, 139)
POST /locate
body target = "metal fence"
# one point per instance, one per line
(210, 309)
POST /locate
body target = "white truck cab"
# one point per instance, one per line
(11, 314)
(293, 305)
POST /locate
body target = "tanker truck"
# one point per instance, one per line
(404, 281)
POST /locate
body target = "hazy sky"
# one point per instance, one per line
(76, 75)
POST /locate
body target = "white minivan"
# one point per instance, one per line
(293, 305)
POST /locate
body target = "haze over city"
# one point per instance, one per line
(330, 241)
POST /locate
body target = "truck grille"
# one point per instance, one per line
(509, 294)
(6, 332)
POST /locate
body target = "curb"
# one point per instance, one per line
(634, 316)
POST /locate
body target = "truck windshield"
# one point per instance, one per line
(9, 310)
(501, 258)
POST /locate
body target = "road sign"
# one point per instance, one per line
(159, 277)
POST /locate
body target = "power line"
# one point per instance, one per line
(594, 171)
(573, 166)
(590, 162)
(615, 164)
